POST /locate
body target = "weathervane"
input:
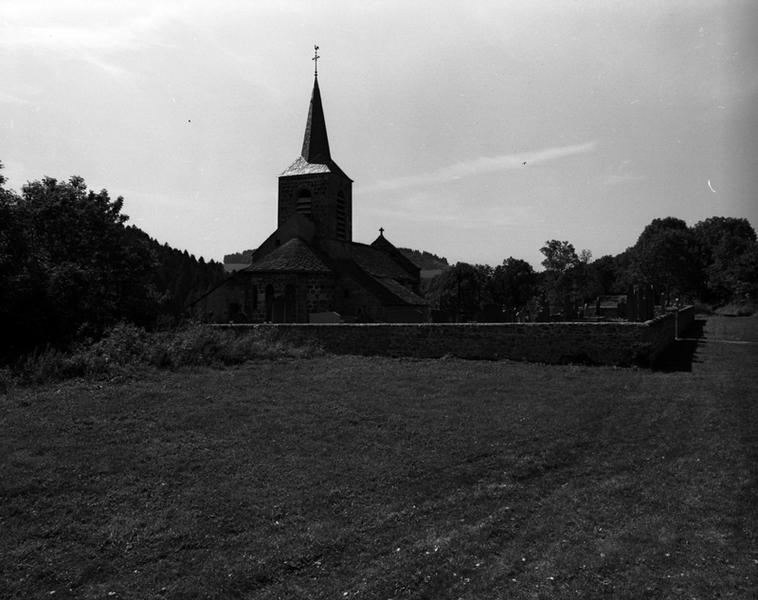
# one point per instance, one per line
(315, 60)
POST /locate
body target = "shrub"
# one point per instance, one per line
(6, 380)
(125, 346)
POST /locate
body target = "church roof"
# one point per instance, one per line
(382, 243)
(315, 156)
(292, 256)
(368, 264)
(372, 260)
(303, 167)
(400, 291)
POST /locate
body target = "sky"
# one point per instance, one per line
(474, 130)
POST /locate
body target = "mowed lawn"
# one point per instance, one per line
(353, 477)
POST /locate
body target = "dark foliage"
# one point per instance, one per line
(180, 276)
(667, 256)
(572, 279)
(244, 257)
(714, 262)
(513, 284)
(730, 258)
(559, 256)
(460, 291)
(70, 267)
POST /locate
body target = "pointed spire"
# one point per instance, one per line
(315, 156)
(315, 141)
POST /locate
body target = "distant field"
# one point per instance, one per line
(351, 477)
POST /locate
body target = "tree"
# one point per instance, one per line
(559, 256)
(74, 270)
(729, 251)
(513, 283)
(668, 257)
(70, 267)
(714, 231)
(460, 290)
(562, 273)
(602, 275)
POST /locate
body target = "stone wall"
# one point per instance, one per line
(685, 320)
(603, 343)
(324, 188)
(660, 333)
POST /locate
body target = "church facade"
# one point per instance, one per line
(310, 269)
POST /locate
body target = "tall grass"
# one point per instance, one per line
(126, 346)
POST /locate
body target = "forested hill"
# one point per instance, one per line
(244, 257)
(179, 276)
(70, 268)
(425, 260)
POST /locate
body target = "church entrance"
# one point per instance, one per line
(284, 308)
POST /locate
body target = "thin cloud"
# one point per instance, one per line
(449, 210)
(116, 72)
(617, 179)
(484, 164)
(6, 98)
(79, 30)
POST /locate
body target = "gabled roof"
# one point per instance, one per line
(383, 244)
(315, 156)
(401, 292)
(372, 260)
(292, 256)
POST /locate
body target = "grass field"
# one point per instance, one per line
(350, 477)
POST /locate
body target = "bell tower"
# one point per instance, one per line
(314, 185)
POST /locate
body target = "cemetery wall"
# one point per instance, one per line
(602, 343)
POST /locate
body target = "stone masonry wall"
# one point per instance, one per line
(603, 343)
(324, 189)
(685, 320)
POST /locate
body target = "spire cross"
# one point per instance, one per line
(315, 60)
(381, 231)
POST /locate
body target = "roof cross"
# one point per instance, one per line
(381, 231)
(315, 60)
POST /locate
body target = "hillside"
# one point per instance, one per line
(244, 257)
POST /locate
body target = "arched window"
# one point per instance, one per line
(341, 217)
(303, 202)
(251, 300)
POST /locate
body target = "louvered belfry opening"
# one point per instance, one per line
(303, 202)
(341, 217)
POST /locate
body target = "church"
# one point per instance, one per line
(310, 269)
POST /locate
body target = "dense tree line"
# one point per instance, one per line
(713, 262)
(70, 267)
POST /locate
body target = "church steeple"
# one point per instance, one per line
(315, 142)
(314, 185)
